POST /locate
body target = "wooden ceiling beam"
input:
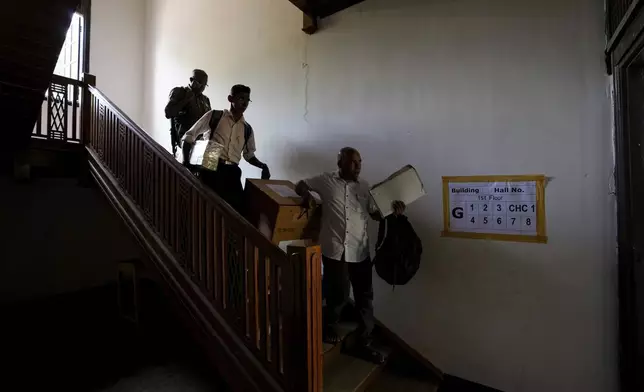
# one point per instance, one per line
(310, 24)
(303, 5)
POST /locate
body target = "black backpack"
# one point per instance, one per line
(398, 251)
(214, 121)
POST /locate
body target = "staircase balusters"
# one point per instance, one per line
(60, 119)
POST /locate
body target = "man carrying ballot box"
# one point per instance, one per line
(347, 207)
(236, 137)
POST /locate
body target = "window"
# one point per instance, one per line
(70, 58)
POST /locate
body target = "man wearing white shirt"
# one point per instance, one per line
(347, 207)
(230, 129)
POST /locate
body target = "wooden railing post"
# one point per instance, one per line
(86, 124)
(307, 265)
(86, 110)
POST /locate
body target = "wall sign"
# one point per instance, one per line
(505, 208)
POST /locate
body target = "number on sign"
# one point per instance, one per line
(485, 220)
(485, 207)
(472, 208)
(473, 220)
(528, 223)
(513, 220)
(532, 208)
(499, 221)
(498, 208)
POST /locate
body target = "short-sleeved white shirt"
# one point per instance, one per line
(229, 134)
(346, 208)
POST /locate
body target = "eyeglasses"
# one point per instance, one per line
(199, 83)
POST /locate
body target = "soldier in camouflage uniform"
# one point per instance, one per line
(186, 106)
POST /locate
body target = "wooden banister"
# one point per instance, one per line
(262, 306)
(307, 265)
(66, 81)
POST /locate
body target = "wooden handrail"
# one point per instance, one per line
(65, 80)
(54, 78)
(266, 297)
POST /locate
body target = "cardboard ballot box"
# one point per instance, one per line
(276, 210)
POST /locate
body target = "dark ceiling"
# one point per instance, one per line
(323, 8)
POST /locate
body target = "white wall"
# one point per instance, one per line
(460, 87)
(116, 52)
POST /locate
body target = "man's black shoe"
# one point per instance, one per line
(329, 335)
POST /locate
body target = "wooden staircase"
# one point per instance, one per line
(248, 301)
(255, 309)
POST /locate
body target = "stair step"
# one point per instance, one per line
(344, 330)
(349, 374)
(403, 372)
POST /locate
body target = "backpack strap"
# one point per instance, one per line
(248, 131)
(382, 233)
(214, 121)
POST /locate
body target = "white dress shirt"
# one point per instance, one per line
(346, 206)
(229, 133)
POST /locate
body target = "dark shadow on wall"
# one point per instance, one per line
(57, 237)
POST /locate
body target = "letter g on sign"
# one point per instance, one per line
(457, 212)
